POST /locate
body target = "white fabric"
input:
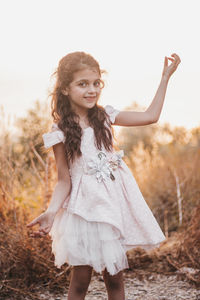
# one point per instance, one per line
(97, 209)
(79, 242)
(52, 138)
(112, 112)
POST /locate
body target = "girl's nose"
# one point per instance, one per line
(91, 88)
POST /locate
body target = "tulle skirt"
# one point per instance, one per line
(79, 242)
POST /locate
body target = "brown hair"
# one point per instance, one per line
(66, 118)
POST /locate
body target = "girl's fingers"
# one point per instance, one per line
(177, 58)
(35, 234)
(168, 70)
(166, 61)
(37, 220)
(44, 230)
(34, 222)
(39, 233)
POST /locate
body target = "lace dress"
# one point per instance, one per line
(105, 214)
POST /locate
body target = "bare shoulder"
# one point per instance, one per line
(133, 118)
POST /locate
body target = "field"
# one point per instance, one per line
(166, 164)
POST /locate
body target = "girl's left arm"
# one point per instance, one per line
(152, 114)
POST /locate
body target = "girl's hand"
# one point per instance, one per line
(45, 220)
(169, 70)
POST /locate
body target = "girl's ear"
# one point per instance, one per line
(65, 92)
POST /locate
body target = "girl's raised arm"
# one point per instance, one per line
(61, 192)
(152, 114)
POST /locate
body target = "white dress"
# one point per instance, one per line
(105, 214)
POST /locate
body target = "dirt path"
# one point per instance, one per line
(156, 287)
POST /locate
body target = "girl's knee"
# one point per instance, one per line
(81, 276)
(79, 281)
(114, 282)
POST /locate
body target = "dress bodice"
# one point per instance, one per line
(92, 161)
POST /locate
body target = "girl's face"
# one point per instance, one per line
(85, 89)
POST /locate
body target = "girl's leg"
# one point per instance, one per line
(80, 280)
(114, 285)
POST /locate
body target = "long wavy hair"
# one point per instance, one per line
(65, 116)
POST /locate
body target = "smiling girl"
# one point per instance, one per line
(97, 212)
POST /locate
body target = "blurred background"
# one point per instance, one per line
(130, 40)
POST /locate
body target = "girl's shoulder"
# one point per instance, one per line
(111, 112)
(56, 135)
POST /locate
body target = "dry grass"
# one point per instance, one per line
(27, 264)
(180, 253)
(186, 254)
(28, 176)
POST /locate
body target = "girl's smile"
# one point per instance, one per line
(90, 98)
(84, 91)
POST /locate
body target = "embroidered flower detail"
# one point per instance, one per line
(116, 159)
(103, 167)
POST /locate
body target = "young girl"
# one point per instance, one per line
(97, 212)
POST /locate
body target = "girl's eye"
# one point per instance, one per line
(83, 84)
(97, 83)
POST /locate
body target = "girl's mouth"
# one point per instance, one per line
(90, 99)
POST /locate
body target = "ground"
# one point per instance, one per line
(151, 287)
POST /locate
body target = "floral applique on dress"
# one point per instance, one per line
(102, 167)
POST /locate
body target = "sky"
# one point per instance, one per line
(129, 38)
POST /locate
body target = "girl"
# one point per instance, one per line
(97, 211)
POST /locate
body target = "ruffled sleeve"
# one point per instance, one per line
(53, 137)
(112, 112)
